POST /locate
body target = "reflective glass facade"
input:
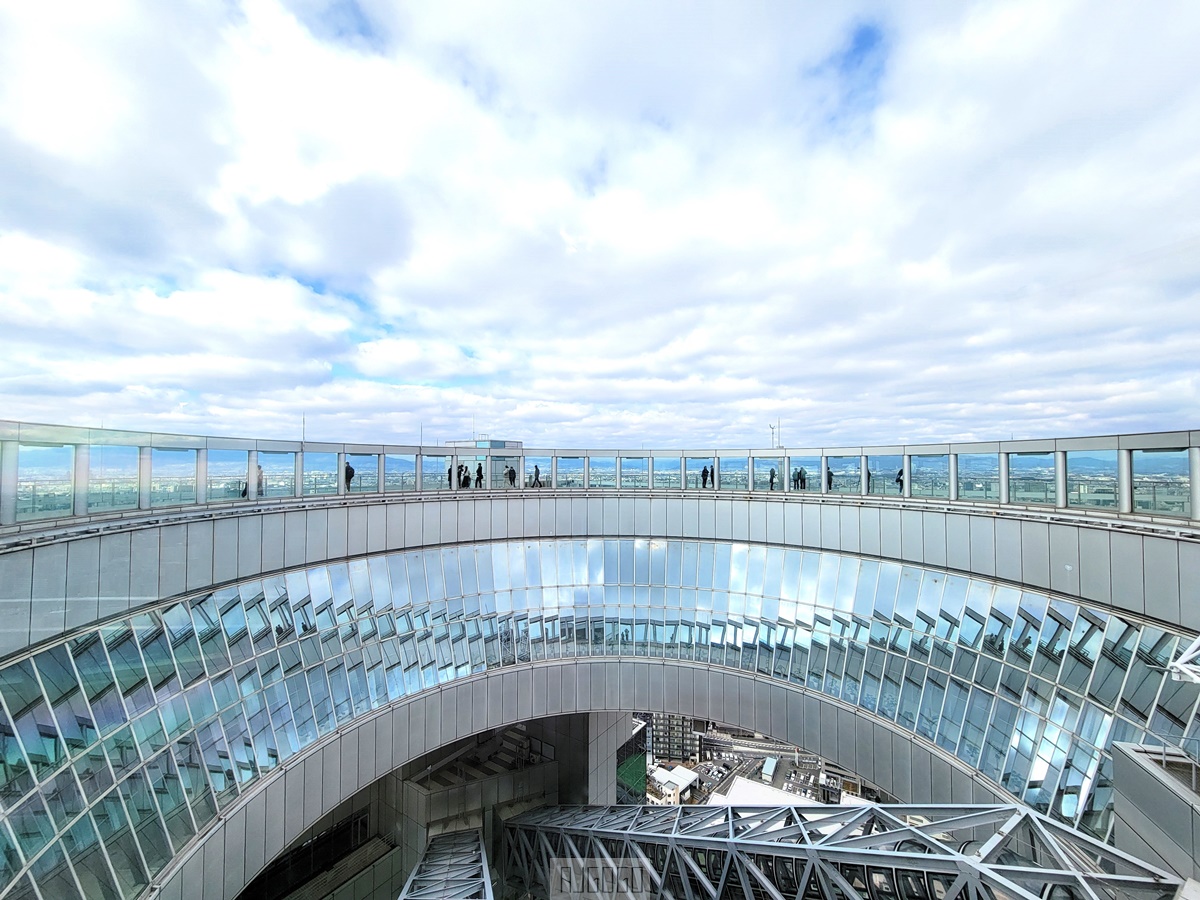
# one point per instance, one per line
(120, 744)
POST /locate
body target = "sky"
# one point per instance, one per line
(616, 224)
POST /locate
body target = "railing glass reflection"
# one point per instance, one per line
(172, 477)
(113, 478)
(1161, 482)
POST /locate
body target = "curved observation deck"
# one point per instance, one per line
(190, 671)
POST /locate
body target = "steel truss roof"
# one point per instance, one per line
(894, 852)
(453, 867)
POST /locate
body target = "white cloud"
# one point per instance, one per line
(583, 225)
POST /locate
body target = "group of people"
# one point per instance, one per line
(463, 476)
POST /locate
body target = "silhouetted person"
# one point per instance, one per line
(900, 479)
(772, 479)
(829, 479)
(803, 479)
(450, 477)
(537, 477)
(512, 476)
(795, 479)
(349, 472)
(868, 481)
(262, 483)
(704, 477)
(479, 475)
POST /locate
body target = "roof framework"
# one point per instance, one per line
(894, 852)
(453, 867)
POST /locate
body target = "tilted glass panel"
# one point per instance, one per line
(172, 477)
(437, 473)
(733, 473)
(570, 471)
(1031, 478)
(1162, 482)
(979, 477)
(930, 475)
(805, 473)
(885, 475)
(602, 471)
(113, 478)
(1092, 478)
(278, 475)
(399, 472)
(45, 480)
(667, 473)
(363, 474)
(227, 471)
(320, 473)
(699, 472)
(768, 473)
(843, 476)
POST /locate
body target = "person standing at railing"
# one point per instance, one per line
(704, 477)
(900, 479)
(479, 475)
(772, 479)
(349, 473)
(803, 479)
(537, 476)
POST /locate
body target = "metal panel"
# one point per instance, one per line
(225, 551)
(192, 876)
(365, 766)
(1128, 586)
(445, 725)
(537, 693)
(757, 518)
(274, 542)
(1094, 574)
(828, 746)
(849, 529)
(612, 686)
(83, 582)
(295, 530)
(276, 811)
(794, 732)
(831, 527)
(595, 516)
(611, 521)
(933, 526)
(847, 740)
(48, 603)
(958, 542)
(1008, 549)
(869, 530)
(199, 543)
(254, 819)
(1035, 553)
(760, 694)
(562, 516)
(658, 516)
(864, 739)
(922, 776)
(114, 574)
(583, 685)
(1189, 587)
(233, 856)
(901, 772)
(16, 589)
(983, 546)
(431, 522)
(1161, 578)
(414, 523)
(891, 544)
(373, 536)
(739, 519)
(316, 541)
(580, 515)
(1064, 559)
(912, 534)
(337, 539)
(148, 569)
(445, 528)
(641, 515)
(960, 786)
(722, 519)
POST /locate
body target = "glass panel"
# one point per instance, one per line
(437, 473)
(768, 473)
(362, 473)
(843, 477)
(1162, 482)
(806, 473)
(277, 474)
(733, 473)
(885, 475)
(227, 474)
(667, 472)
(635, 472)
(570, 471)
(1031, 478)
(930, 475)
(699, 471)
(504, 472)
(537, 471)
(45, 480)
(979, 477)
(320, 473)
(113, 477)
(1092, 478)
(399, 472)
(602, 471)
(172, 477)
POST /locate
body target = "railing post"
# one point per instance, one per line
(81, 482)
(145, 464)
(1060, 479)
(419, 469)
(1004, 495)
(381, 471)
(9, 451)
(1194, 475)
(298, 474)
(906, 467)
(587, 472)
(952, 487)
(341, 472)
(201, 475)
(617, 468)
(713, 475)
(1124, 481)
(554, 472)
(864, 474)
(824, 474)
(252, 475)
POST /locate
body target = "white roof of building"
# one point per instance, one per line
(744, 792)
(681, 777)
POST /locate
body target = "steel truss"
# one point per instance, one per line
(894, 852)
(453, 867)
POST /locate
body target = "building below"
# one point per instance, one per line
(676, 738)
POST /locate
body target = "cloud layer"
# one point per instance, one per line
(601, 225)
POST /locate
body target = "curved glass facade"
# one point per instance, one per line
(120, 744)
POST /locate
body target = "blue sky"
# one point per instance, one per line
(612, 224)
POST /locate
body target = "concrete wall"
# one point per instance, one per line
(317, 782)
(74, 578)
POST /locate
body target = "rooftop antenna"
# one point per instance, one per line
(302, 426)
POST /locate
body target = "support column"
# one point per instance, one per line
(1060, 479)
(341, 472)
(1125, 481)
(864, 474)
(1194, 475)
(587, 472)
(824, 474)
(82, 483)
(9, 451)
(649, 473)
(618, 468)
(1003, 477)
(714, 477)
(419, 468)
(145, 462)
(953, 485)
(252, 475)
(454, 461)
(906, 468)
(381, 471)
(554, 472)
(202, 475)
